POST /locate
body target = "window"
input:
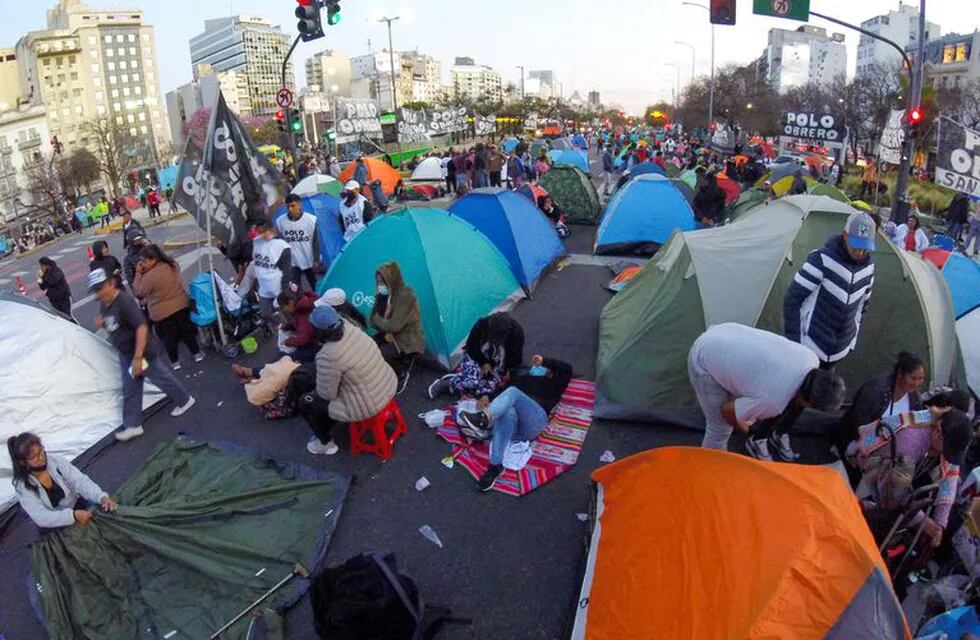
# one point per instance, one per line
(61, 78)
(132, 51)
(111, 66)
(99, 96)
(146, 37)
(131, 38)
(143, 129)
(138, 90)
(949, 52)
(78, 109)
(119, 120)
(962, 52)
(115, 93)
(124, 77)
(121, 51)
(107, 39)
(47, 62)
(116, 106)
(91, 40)
(93, 54)
(97, 81)
(119, 38)
(100, 110)
(142, 117)
(136, 77)
(126, 91)
(109, 53)
(113, 79)
(76, 93)
(71, 59)
(74, 76)
(123, 64)
(65, 111)
(149, 62)
(132, 131)
(130, 119)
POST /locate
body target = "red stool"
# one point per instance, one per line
(381, 443)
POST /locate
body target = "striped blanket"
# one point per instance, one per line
(553, 452)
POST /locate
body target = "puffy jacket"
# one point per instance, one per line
(404, 322)
(827, 299)
(162, 289)
(500, 329)
(55, 286)
(353, 377)
(871, 401)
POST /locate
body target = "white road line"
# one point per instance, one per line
(20, 273)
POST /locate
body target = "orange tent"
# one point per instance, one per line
(377, 170)
(708, 545)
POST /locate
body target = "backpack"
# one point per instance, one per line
(366, 597)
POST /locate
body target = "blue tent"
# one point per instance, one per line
(509, 144)
(167, 176)
(561, 144)
(646, 167)
(326, 208)
(572, 157)
(579, 141)
(641, 216)
(963, 277)
(523, 234)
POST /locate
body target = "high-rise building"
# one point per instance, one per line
(901, 27)
(329, 69)
(24, 142)
(97, 68)
(183, 101)
(426, 73)
(594, 100)
(9, 79)
(251, 45)
(475, 82)
(804, 56)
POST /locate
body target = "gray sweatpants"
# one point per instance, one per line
(711, 396)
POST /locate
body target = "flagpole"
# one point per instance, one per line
(208, 210)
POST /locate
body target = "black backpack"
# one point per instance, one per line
(366, 597)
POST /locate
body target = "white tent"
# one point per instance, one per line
(429, 169)
(58, 380)
(315, 183)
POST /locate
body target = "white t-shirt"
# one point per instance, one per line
(898, 407)
(299, 235)
(761, 370)
(353, 216)
(265, 256)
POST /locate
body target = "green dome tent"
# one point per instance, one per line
(740, 273)
(573, 192)
(829, 190)
(457, 274)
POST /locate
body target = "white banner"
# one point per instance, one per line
(484, 125)
(357, 117)
(413, 126)
(893, 137)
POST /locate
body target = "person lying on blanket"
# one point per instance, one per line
(519, 413)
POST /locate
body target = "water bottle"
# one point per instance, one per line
(429, 534)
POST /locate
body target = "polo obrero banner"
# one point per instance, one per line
(808, 125)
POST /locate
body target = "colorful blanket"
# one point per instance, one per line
(553, 452)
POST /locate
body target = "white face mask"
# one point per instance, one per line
(382, 290)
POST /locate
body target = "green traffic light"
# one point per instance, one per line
(333, 18)
(297, 126)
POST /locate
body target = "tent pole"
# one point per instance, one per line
(214, 287)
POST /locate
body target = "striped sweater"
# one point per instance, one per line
(826, 300)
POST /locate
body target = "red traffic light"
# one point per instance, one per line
(279, 114)
(915, 115)
(304, 3)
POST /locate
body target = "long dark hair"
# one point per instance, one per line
(153, 252)
(19, 447)
(905, 363)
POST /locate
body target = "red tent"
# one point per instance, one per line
(937, 257)
(729, 186)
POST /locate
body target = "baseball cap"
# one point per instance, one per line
(324, 317)
(351, 185)
(96, 279)
(860, 230)
(332, 297)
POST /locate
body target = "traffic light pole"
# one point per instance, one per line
(899, 210)
(290, 136)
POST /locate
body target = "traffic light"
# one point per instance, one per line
(295, 121)
(309, 25)
(333, 11)
(722, 12)
(281, 120)
(56, 145)
(915, 116)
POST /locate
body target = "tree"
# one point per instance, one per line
(77, 172)
(196, 126)
(107, 140)
(262, 130)
(43, 190)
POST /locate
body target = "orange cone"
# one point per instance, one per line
(21, 289)
(91, 256)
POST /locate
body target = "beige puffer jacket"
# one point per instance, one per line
(353, 377)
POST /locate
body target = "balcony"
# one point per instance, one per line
(30, 143)
(6, 149)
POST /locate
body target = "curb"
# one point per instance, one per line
(175, 244)
(148, 225)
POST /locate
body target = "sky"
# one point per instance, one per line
(620, 48)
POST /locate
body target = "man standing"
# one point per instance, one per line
(153, 202)
(131, 228)
(608, 167)
(741, 375)
(298, 228)
(481, 165)
(515, 170)
(139, 354)
(360, 171)
(495, 165)
(272, 261)
(355, 210)
(830, 293)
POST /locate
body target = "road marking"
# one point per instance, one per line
(5, 281)
(602, 261)
(20, 273)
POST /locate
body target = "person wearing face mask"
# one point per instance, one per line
(355, 210)
(397, 319)
(51, 490)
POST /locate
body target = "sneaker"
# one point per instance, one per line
(783, 448)
(199, 356)
(128, 433)
(440, 387)
(490, 476)
(474, 425)
(175, 366)
(318, 448)
(176, 412)
(758, 449)
(403, 377)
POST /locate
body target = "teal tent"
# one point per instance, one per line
(457, 274)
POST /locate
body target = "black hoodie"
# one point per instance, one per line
(546, 390)
(498, 329)
(102, 260)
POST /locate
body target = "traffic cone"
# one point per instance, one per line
(21, 289)
(91, 256)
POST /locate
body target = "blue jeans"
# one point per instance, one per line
(160, 374)
(462, 180)
(481, 178)
(955, 230)
(516, 418)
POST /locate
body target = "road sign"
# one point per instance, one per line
(284, 98)
(790, 9)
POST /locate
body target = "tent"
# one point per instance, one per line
(509, 144)
(697, 544)
(202, 530)
(167, 176)
(779, 171)
(690, 176)
(457, 274)
(730, 187)
(536, 147)
(316, 183)
(673, 171)
(782, 186)
(646, 167)
(748, 200)
(561, 144)
(377, 170)
(59, 380)
(532, 192)
(573, 192)
(578, 141)
(571, 157)
(829, 190)
(962, 275)
(641, 216)
(326, 208)
(740, 272)
(428, 169)
(525, 237)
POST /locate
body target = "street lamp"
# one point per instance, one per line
(394, 90)
(691, 47)
(521, 67)
(711, 82)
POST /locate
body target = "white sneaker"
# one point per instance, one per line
(758, 449)
(316, 447)
(176, 412)
(123, 435)
(783, 447)
(175, 366)
(199, 356)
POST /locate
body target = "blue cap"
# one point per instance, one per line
(324, 317)
(860, 229)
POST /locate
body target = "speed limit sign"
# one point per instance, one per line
(284, 98)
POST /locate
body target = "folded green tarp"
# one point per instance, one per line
(202, 530)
